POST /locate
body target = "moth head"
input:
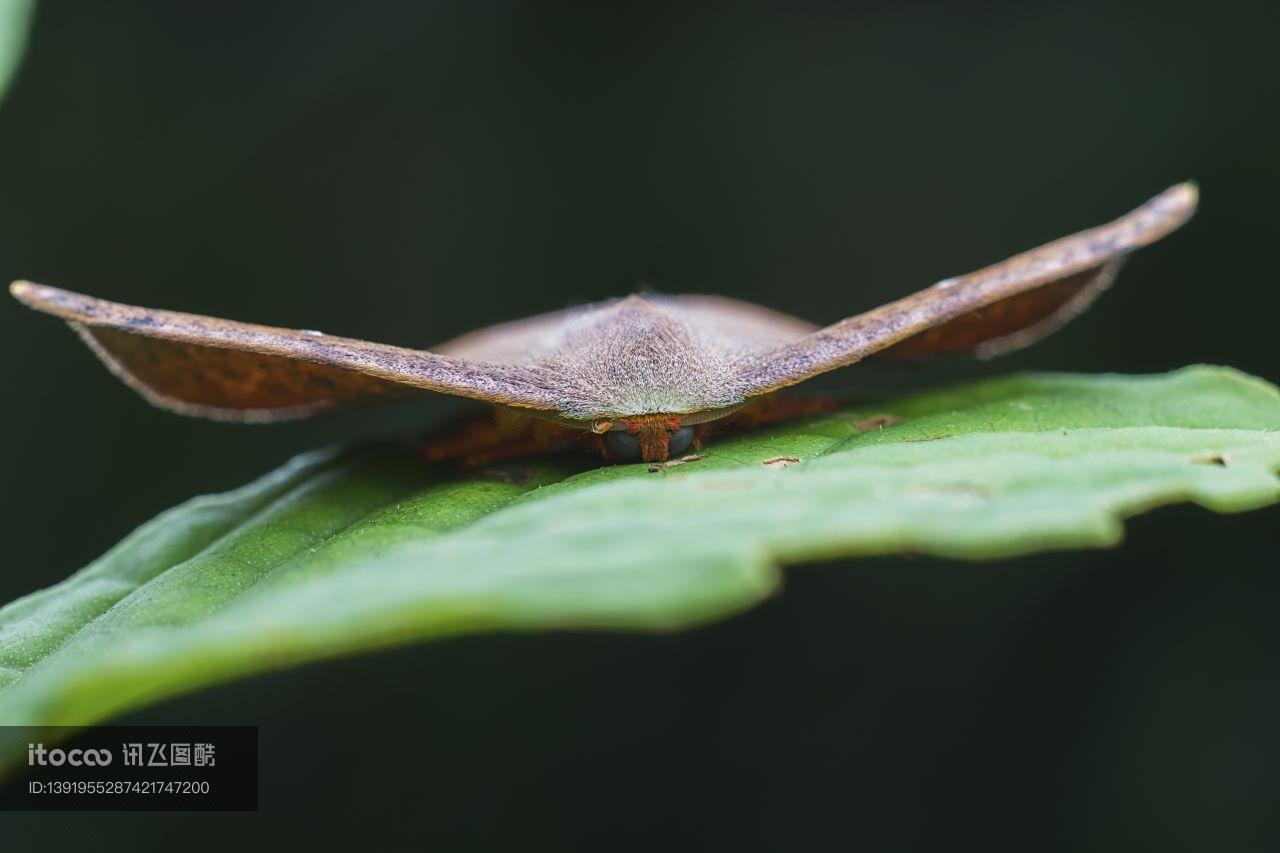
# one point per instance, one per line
(647, 438)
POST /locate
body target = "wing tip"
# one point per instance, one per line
(23, 291)
(1180, 200)
(1160, 216)
(38, 296)
(64, 304)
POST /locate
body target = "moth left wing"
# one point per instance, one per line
(1011, 323)
(222, 369)
(988, 312)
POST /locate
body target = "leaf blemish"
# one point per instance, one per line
(780, 461)
(1221, 459)
(672, 463)
(875, 422)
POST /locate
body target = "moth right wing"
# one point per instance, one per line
(988, 312)
(222, 369)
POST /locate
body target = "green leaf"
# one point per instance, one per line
(15, 20)
(343, 551)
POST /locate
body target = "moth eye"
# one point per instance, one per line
(680, 440)
(623, 446)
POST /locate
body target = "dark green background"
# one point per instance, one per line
(408, 171)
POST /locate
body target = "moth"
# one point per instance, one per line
(644, 377)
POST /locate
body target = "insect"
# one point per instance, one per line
(639, 378)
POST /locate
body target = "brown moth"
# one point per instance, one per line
(639, 378)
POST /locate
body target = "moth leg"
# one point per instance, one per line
(498, 434)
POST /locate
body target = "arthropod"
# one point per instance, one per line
(639, 378)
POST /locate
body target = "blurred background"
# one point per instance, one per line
(406, 172)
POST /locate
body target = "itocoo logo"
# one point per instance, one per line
(37, 754)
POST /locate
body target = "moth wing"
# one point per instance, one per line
(516, 342)
(1011, 323)
(222, 369)
(733, 324)
(740, 326)
(988, 312)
